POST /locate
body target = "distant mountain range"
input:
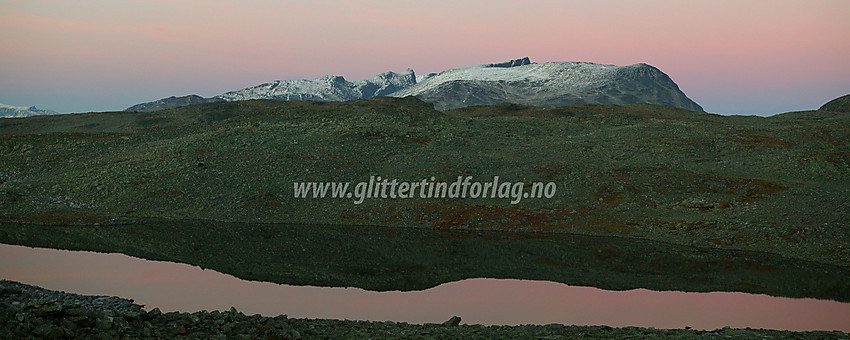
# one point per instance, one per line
(327, 88)
(517, 81)
(9, 111)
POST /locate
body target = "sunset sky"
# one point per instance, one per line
(731, 57)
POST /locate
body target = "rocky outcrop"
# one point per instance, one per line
(513, 63)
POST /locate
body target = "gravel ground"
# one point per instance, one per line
(32, 312)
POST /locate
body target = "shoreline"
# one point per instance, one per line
(31, 311)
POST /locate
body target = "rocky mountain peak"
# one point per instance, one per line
(512, 63)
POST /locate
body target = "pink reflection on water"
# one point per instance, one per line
(174, 286)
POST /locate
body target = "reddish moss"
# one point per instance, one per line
(167, 193)
(756, 190)
(67, 217)
(753, 140)
(608, 197)
(413, 139)
(264, 200)
(551, 171)
(446, 216)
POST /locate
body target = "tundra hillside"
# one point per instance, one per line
(779, 184)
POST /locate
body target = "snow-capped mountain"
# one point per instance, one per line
(549, 84)
(9, 111)
(327, 88)
(515, 81)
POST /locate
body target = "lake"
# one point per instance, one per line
(176, 286)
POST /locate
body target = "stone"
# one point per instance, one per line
(48, 331)
(454, 321)
(48, 310)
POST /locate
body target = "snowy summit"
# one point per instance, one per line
(9, 111)
(549, 84)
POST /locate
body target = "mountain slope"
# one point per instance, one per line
(170, 103)
(840, 104)
(549, 84)
(9, 111)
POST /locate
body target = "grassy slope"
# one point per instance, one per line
(778, 184)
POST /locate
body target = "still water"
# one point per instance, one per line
(175, 286)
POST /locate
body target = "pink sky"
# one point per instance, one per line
(747, 57)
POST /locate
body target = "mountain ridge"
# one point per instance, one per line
(518, 81)
(10, 111)
(327, 88)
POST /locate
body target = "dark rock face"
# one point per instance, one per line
(840, 104)
(170, 103)
(386, 83)
(454, 321)
(513, 63)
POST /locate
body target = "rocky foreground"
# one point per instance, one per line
(32, 312)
